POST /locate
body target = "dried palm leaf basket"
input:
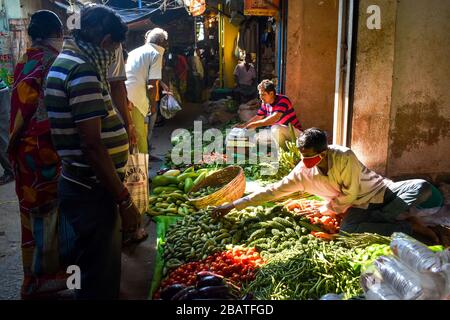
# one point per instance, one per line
(233, 181)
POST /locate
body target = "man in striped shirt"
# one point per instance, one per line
(92, 143)
(277, 113)
(367, 201)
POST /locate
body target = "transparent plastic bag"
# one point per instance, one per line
(374, 286)
(444, 256)
(405, 283)
(414, 253)
(332, 296)
(169, 106)
(381, 292)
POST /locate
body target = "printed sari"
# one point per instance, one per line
(36, 167)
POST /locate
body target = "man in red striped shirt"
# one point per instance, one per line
(277, 113)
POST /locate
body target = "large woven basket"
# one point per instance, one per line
(233, 181)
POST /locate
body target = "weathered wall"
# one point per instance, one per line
(401, 113)
(419, 142)
(373, 86)
(311, 60)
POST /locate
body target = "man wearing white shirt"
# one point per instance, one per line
(368, 201)
(116, 78)
(144, 74)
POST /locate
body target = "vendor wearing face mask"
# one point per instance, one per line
(368, 201)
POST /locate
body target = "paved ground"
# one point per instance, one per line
(137, 263)
(10, 257)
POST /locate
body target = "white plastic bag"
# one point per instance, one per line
(169, 106)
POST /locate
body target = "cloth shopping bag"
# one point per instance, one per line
(136, 179)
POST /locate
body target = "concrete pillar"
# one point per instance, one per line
(401, 113)
(311, 60)
(373, 85)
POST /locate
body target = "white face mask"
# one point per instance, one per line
(56, 43)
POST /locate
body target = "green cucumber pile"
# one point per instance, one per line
(206, 191)
(170, 203)
(298, 265)
(169, 191)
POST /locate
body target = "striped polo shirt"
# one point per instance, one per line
(283, 105)
(74, 94)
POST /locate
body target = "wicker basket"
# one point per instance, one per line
(233, 181)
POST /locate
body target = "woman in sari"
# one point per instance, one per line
(35, 162)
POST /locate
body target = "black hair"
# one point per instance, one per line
(97, 21)
(267, 86)
(44, 24)
(313, 138)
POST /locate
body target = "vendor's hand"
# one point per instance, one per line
(131, 219)
(222, 211)
(239, 125)
(251, 126)
(323, 210)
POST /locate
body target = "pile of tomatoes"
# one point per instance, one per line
(237, 265)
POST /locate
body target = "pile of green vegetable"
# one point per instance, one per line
(307, 271)
(310, 268)
(299, 266)
(288, 159)
(169, 191)
(269, 229)
(170, 203)
(206, 191)
(193, 238)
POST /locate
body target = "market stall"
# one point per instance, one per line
(283, 250)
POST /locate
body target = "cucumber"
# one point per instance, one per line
(188, 184)
(276, 225)
(257, 234)
(284, 222)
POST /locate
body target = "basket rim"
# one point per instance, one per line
(241, 171)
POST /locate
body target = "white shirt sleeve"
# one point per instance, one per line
(117, 70)
(155, 70)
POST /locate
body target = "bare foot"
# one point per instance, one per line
(421, 229)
